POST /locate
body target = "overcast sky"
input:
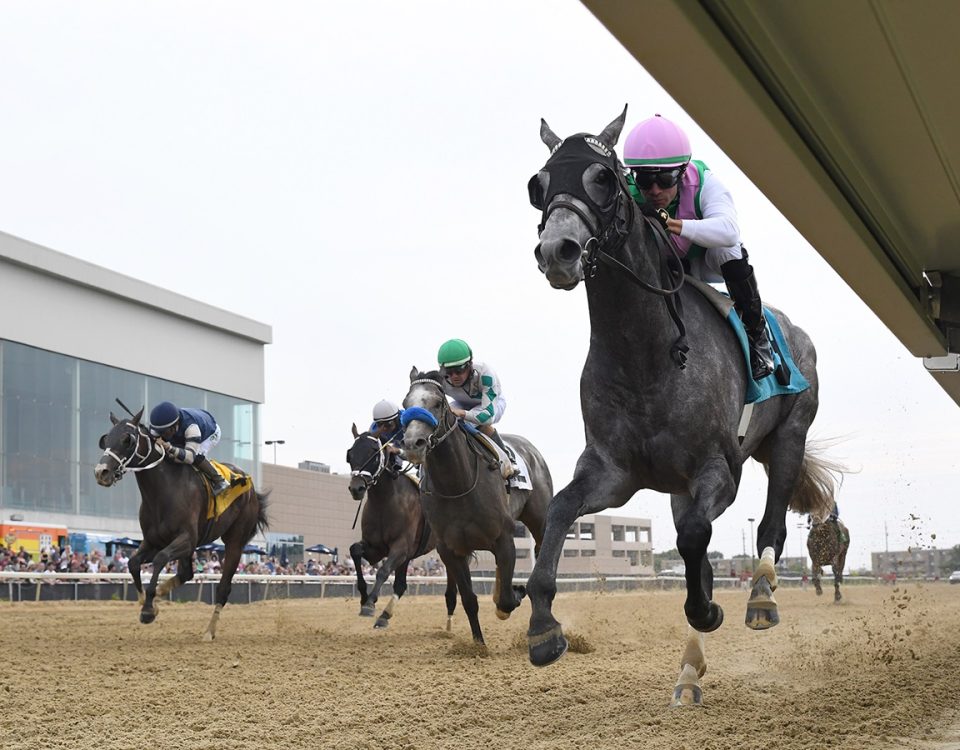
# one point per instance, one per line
(354, 175)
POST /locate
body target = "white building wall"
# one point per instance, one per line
(51, 301)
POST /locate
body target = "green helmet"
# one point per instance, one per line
(454, 352)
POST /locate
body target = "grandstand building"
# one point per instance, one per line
(75, 336)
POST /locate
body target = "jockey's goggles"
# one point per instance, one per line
(665, 178)
(457, 370)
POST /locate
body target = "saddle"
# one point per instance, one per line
(504, 461)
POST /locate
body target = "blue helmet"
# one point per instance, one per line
(164, 415)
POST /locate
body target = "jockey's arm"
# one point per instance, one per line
(719, 226)
(187, 453)
(489, 409)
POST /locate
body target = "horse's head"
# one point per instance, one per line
(120, 447)
(367, 462)
(580, 192)
(425, 407)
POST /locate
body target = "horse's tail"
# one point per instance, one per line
(262, 502)
(819, 480)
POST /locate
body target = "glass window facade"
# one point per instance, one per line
(53, 410)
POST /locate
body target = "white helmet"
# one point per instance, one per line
(385, 410)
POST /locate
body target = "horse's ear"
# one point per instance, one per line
(114, 420)
(138, 415)
(103, 441)
(611, 133)
(548, 136)
(355, 433)
(414, 373)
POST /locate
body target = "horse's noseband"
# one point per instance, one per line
(365, 476)
(124, 463)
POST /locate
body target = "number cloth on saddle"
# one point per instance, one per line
(768, 387)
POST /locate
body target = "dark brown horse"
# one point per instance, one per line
(173, 514)
(465, 498)
(392, 528)
(827, 543)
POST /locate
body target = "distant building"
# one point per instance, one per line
(314, 466)
(308, 507)
(913, 563)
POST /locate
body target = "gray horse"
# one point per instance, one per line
(465, 498)
(393, 527)
(650, 423)
(827, 543)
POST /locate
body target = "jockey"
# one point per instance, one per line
(187, 435)
(475, 390)
(386, 428)
(702, 223)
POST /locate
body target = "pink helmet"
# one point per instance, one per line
(656, 142)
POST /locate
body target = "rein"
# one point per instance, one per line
(124, 463)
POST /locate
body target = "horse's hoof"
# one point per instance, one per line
(381, 623)
(819, 592)
(837, 597)
(520, 591)
(687, 695)
(147, 617)
(368, 610)
(712, 621)
(208, 636)
(762, 612)
(548, 647)
(501, 615)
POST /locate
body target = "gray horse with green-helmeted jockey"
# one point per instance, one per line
(662, 411)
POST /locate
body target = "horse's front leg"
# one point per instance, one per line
(506, 596)
(459, 568)
(712, 491)
(181, 546)
(598, 483)
(357, 552)
(399, 589)
(395, 558)
(817, 572)
(143, 555)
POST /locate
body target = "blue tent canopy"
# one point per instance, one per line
(211, 546)
(321, 549)
(252, 549)
(124, 541)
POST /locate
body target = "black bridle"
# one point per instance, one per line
(610, 225)
(136, 461)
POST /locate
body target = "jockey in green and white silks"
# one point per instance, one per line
(703, 222)
(474, 389)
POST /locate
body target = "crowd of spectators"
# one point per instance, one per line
(65, 560)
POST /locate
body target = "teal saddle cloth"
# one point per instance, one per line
(769, 386)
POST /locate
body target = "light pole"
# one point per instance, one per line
(274, 443)
(753, 548)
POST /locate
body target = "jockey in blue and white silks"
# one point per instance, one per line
(187, 435)
(387, 429)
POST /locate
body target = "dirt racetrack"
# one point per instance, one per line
(874, 672)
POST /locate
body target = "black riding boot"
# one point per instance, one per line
(742, 285)
(218, 483)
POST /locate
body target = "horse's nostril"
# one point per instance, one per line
(538, 254)
(419, 443)
(569, 251)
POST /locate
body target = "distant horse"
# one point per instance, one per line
(465, 497)
(173, 514)
(827, 543)
(651, 423)
(393, 527)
